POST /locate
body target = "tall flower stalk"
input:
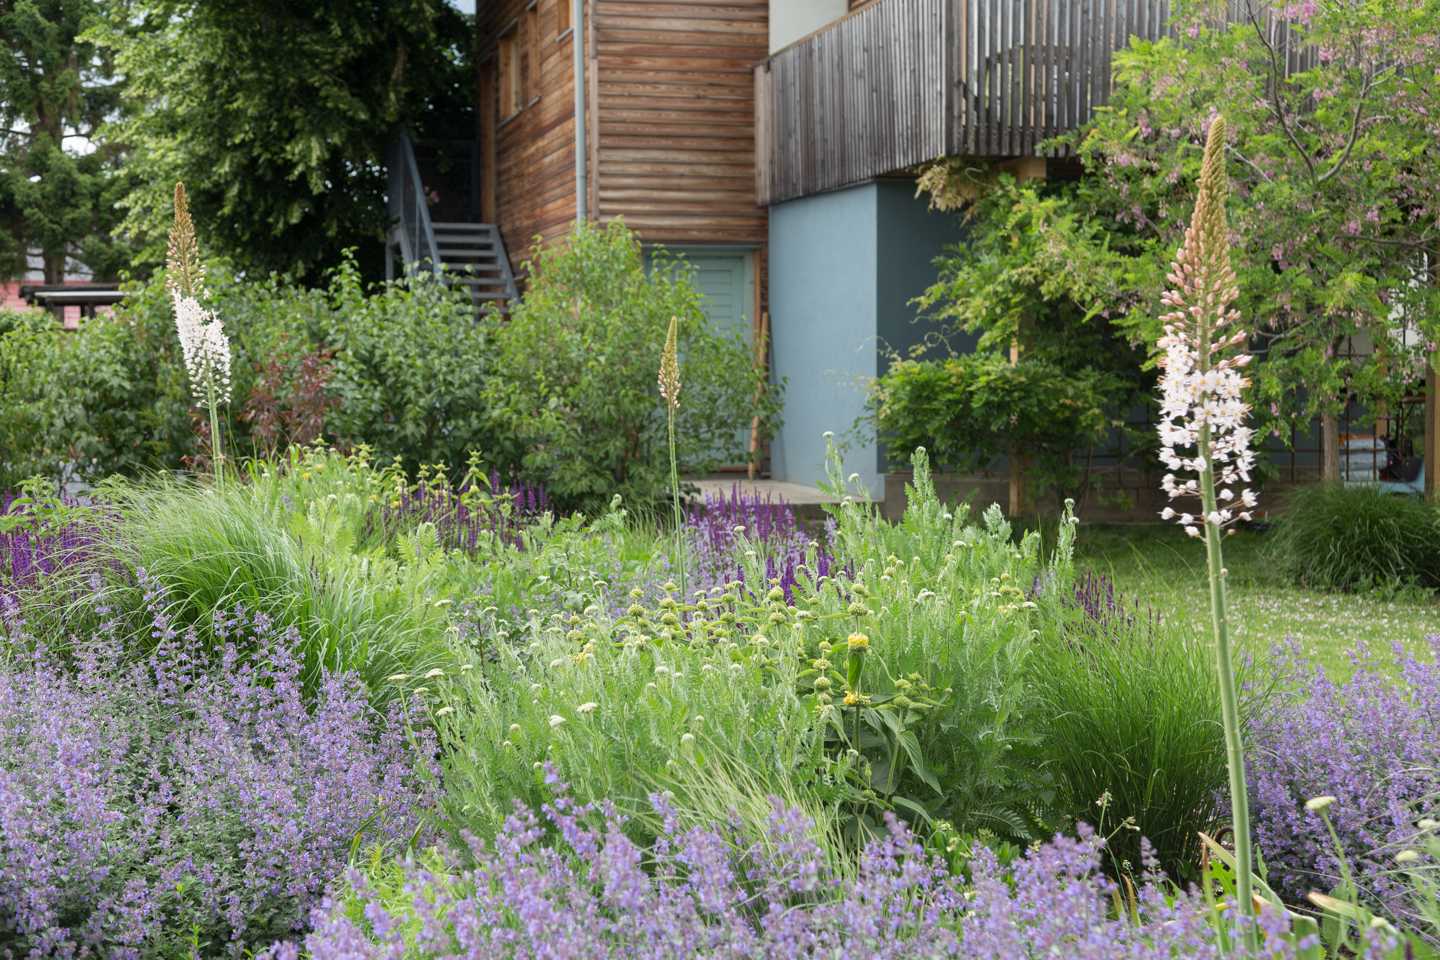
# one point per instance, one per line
(670, 393)
(203, 343)
(1201, 410)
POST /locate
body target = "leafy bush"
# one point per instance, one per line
(406, 374)
(1127, 717)
(968, 410)
(1355, 537)
(575, 373)
(1371, 744)
(184, 804)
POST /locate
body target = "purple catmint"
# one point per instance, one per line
(573, 884)
(1370, 743)
(147, 800)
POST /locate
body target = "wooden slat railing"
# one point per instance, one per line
(901, 82)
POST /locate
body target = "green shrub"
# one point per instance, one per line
(1356, 538)
(409, 369)
(968, 410)
(575, 373)
(1128, 709)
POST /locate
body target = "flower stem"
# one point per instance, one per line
(215, 455)
(1229, 703)
(675, 499)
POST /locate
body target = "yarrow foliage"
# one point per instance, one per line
(1201, 406)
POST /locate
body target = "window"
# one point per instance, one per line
(562, 16)
(509, 75)
(532, 52)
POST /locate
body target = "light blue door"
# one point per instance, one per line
(726, 279)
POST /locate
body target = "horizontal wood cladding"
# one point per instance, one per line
(672, 128)
(676, 118)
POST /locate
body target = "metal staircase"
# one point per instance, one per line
(459, 251)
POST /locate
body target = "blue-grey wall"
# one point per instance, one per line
(844, 267)
(823, 282)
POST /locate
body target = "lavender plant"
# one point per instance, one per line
(1370, 745)
(713, 533)
(203, 343)
(183, 803)
(569, 883)
(1202, 408)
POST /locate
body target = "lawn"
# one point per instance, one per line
(1167, 568)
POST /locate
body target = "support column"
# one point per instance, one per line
(1432, 431)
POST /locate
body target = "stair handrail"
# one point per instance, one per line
(405, 189)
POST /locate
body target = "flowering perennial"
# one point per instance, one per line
(1200, 404)
(716, 892)
(203, 343)
(146, 801)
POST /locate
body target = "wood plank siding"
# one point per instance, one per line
(670, 118)
(900, 82)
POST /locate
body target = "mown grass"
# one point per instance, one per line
(1162, 566)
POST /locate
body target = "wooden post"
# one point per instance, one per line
(1432, 431)
(592, 106)
(761, 356)
(1021, 464)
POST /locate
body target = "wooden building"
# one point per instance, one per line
(669, 130)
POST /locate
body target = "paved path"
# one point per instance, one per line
(779, 490)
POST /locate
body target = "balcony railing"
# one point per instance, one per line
(901, 82)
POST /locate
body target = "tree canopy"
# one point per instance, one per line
(276, 113)
(1334, 213)
(58, 182)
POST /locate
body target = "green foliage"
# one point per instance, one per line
(55, 86)
(291, 544)
(276, 116)
(1127, 704)
(1329, 169)
(409, 370)
(970, 409)
(726, 697)
(1356, 538)
(576, 365)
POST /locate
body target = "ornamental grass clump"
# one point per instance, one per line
(1201, 408)
(183, 804)
(203, 343)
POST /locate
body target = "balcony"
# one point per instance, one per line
(901, 82)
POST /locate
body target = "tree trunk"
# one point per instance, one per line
(1329, 448)
(1020, 466)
